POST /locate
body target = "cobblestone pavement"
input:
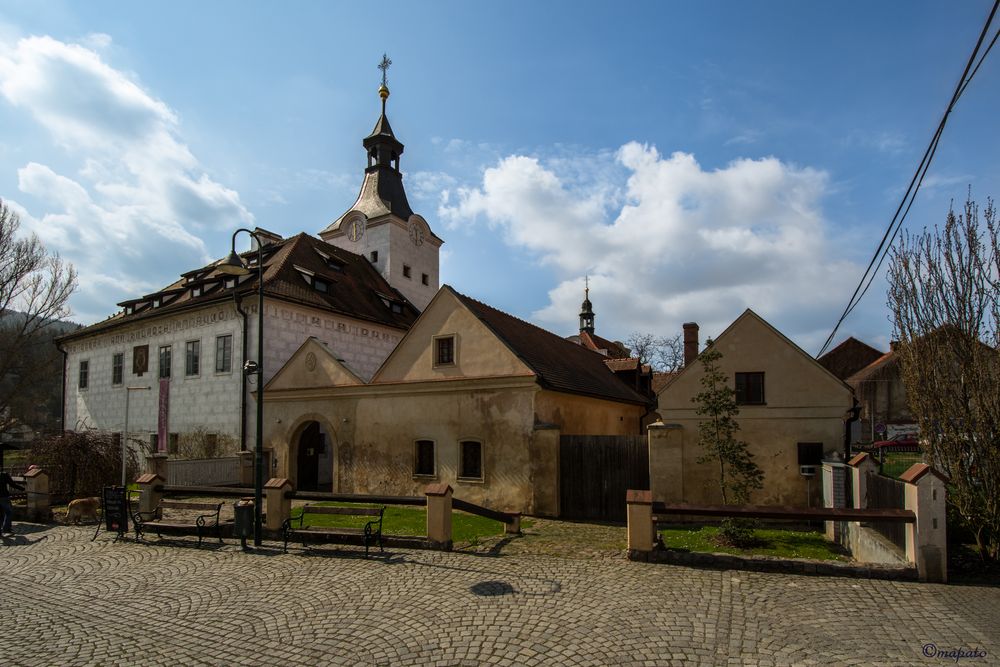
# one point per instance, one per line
(65, 600)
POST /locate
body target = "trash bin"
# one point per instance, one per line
(243, 520)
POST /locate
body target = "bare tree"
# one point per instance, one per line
(944, 293)
(200, 443)
(34, 290)
(664, 355)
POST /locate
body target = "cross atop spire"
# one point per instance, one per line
(586, 309)
(384, 66)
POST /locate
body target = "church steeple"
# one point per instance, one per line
(380, 225)
(587, 310)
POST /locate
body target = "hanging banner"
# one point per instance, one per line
(163, 416)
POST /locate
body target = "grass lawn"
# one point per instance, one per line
(411, 521)
(773, 542)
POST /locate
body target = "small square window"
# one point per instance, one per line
(471, 464)
(750, 389)
(423, 458)
(425, 279)
(117, 368)
(444, 350)
(84, 374)
(406, 271)
(192, 357)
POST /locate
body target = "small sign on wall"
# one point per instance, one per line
(140, 359)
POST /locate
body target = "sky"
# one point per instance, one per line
(692, 159)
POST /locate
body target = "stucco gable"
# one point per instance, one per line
(479, 352)
(751, 344)
(312, 366)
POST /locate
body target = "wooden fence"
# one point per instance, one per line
(204, 472)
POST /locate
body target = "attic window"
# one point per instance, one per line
(156, 303)
(230, 283)
(129, 310)
(195, 291)
(321, 285)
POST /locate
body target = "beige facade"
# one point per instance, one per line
(487, 395)
(802, 403)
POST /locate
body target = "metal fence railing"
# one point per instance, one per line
(887, 493)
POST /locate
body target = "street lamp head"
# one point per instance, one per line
(233, 265)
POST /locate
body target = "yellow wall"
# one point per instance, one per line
(804, 403)
(478, 352)
(582, 415)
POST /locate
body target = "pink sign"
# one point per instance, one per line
(163, 418)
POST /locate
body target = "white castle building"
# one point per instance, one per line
(357, 288)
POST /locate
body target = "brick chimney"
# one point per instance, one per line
(690, 343)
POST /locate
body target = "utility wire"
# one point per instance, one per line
(911, 191)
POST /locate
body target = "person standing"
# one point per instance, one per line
(6, 509)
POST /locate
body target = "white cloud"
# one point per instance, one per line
(673, 243)
(126, 217)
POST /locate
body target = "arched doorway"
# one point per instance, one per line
(314, 459)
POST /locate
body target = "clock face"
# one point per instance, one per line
(356, 230)
(416, 233)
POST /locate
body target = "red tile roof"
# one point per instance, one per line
(848, 358)
(559, 364)
(354, 288)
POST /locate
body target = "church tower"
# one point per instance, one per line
(381, 226)
(587, 312)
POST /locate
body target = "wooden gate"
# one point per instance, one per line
(595, 471)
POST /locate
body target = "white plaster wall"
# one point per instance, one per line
(210, 399)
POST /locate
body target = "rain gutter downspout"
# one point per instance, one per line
(243, 377)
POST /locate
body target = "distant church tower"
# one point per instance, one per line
(587, 312)
(381, 226)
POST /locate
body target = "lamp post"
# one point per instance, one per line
(234, 266)
(128, 392)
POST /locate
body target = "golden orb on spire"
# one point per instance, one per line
(383, 92)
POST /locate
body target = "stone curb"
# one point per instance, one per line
(773, 564)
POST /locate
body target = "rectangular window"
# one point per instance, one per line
(117, 367)
(223, 354)
(444, 350)
(154, 442)
(192, 357)
(471, 465)
(750, 389)
(172, 443)
(84, 374)
(165, 361)
(374, 256)
(406, 271)
(425, 279)
(423, 458)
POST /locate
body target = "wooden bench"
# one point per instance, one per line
(370, 534)
(202, 523)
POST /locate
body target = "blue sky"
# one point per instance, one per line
(694, 159)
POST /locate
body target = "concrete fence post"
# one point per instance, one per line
(861, 465)
(666, 462)
(439, 515)
(926, 539)
(246, 469)
(640, 520)
(149, 497)
(514, 527)
(157, 465)
(277, 507)
(36, 488)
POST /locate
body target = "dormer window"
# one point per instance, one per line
(129, 310)
(156, 303)
(321, 285)
(196, 291)
(230, 283)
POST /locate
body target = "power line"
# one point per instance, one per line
(909, 196)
